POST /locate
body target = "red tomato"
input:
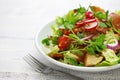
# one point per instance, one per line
(64, 42)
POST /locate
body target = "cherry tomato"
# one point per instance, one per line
(89, 15)
(64, 42)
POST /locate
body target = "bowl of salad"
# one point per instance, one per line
(84, 39)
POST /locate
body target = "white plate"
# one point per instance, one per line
(43, 33)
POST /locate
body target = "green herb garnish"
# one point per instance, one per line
(46, 41)
(96, 45)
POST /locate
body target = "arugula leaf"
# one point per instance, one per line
(46, 41)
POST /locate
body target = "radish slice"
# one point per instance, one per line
(91, 26)
(80, 24)
(89, 21)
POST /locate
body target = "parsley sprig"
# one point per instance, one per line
(46, 41)
(96, 45)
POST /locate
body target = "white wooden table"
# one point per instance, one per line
(19, 22)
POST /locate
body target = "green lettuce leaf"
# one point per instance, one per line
(70, 58)
(110, 58)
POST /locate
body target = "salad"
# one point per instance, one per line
(86, 37)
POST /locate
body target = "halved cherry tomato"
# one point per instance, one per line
(64, 42)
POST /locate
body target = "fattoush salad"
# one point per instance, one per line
(86, 37)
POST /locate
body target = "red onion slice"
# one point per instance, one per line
(88, 37)
(114, 46)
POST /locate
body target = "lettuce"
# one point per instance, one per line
(110, 37)
(54, 49)
(55, 28)
(59, 20)
(110, 58)
(70, 58)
